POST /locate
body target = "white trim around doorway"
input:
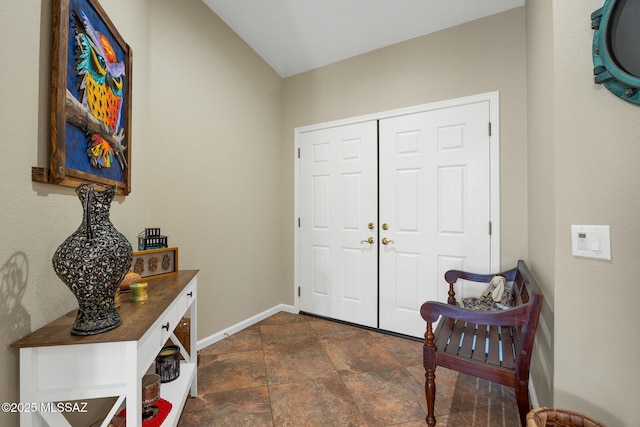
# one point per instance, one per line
(494, 153)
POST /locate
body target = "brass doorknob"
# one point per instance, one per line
(385, 226)
(369, 241)
(371, 226)
(386, 241)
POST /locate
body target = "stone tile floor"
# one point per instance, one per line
(296, 370)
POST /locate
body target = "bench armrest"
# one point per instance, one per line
(432, 310)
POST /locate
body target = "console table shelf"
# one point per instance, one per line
(56, 366)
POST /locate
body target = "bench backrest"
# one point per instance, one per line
(523, 315)
(526, 291)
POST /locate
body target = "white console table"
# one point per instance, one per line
(56, 366)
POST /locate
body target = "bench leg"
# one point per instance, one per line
(430, 389)
(522, 398)
(429, 360)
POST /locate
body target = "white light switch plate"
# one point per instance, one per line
(591, 241)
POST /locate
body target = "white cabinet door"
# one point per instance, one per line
(338, 196)
(434, 198)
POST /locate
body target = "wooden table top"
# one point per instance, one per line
(137, 317)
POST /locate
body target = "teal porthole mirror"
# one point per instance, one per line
(616, 48)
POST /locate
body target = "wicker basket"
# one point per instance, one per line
(545, 417)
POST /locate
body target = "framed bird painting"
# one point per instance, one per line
(90, 99)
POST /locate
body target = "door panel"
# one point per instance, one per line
(434, 195)
(433, 180)
(338, 199)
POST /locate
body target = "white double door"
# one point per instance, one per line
(386, 207)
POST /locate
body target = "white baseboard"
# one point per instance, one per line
(219, 336)
(532, 395)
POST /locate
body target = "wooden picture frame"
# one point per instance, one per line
(155, 263)
(90, 99)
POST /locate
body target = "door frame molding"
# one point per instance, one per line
(494, 159)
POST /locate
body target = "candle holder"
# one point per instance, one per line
(150, 395)
(168, 363)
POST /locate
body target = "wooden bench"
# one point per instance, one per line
(493, 345)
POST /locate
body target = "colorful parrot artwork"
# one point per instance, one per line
(101, 79)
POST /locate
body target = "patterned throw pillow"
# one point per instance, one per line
(486, 303)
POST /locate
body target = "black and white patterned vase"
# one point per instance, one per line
(93, 261)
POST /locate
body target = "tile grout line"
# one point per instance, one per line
(333, 338)
(266, 375)
(353, 399)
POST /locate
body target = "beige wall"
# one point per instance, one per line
(478, 57)
(583, 169)
(540, 188)
(205, 163)
(596, 182)
(216, 119)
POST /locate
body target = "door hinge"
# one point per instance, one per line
(489, 128)
(298, 152)
(490, 228)
(298, 222)
(298, 290)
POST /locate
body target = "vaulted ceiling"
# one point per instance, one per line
(294, 36)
